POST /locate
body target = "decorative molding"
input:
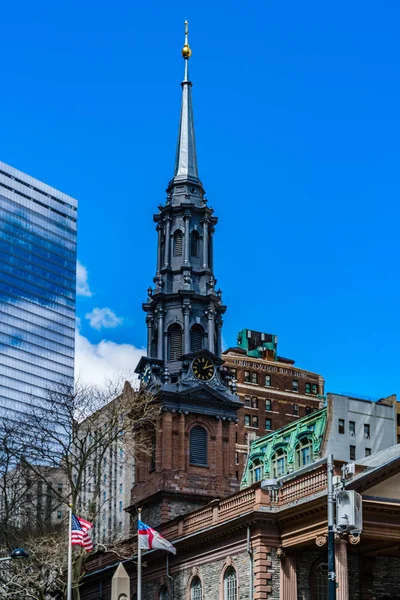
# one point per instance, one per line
(321, 540)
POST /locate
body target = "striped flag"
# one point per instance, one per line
(79, 533)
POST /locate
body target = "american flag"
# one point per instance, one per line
(79, 533)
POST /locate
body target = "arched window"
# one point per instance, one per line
(175, 342)
(178, 243)
(256, 471)
(198, 446)
(194, 244)
(303, 453)
(279, 463)
(230, 584)
(319, 582)
(196, 338)
(164, 593)
(195, 589)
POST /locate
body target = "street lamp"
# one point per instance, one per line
(16, 554)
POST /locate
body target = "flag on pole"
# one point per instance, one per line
(150, 539)
(79, 533)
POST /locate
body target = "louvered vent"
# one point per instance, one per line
(194, 244)
(198, 446)
(174, 342)
(196, 338)
(178, 243)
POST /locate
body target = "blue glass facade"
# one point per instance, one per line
(37, 290)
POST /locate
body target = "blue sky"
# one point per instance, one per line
(297, 125)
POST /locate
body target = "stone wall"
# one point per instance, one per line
(210, 573)
(386, 581)
(304, 562)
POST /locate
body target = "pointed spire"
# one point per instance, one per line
(186, 160)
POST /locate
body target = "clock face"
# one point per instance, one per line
(203, 368)
(146, 375)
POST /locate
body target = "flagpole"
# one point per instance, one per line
(69, 583)
(139, 561)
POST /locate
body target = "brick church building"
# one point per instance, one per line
(253, 543)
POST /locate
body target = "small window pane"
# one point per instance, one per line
(254, 402)
(341, 425)
(230, 584)
(247, 376)
(268, 405)
(195, 589)
(255, 421)
(296, 410)
(366, 432)
(268, 381)
(268, 424)
(247, 420)
(352, 453)
(254, 378)
(295, 385)
(164, 594)
(352, 428)
(308, 388)
(367, 451)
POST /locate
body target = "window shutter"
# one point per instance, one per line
(198, 446)
(194, 244)
(174, 342)
(196, 338)
(178, 243)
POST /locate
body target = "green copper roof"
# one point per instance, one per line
(286, 449)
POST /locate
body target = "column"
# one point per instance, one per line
(160, 330)
(186, 330)
(167, 221)
(205, 223)
(288, 579)
(182, 443)
(342, 576)
(149, 323)
(211, 253)
(219, 458)
(186, 217)
(166, 459)
(159, 257)
(232, 447)
(211, 329)
(219, 323)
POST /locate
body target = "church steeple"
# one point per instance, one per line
(183, 367)
(186, 160)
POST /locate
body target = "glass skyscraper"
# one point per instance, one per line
(37, 290)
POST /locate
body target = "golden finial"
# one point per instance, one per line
(186, 51)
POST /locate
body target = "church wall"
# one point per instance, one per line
(304, 564)
(210, 570)
(386, 579)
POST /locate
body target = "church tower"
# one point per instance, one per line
(194, 442)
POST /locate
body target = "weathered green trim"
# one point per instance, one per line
(311, 426)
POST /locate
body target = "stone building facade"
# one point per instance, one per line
(271, 544)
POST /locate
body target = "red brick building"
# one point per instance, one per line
(273, 390)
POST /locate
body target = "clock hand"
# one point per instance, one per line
(207, 365)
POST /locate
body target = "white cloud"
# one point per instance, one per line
(103, 317)
(82, 285)
(97, 363)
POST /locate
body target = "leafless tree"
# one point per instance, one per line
(63, 446)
